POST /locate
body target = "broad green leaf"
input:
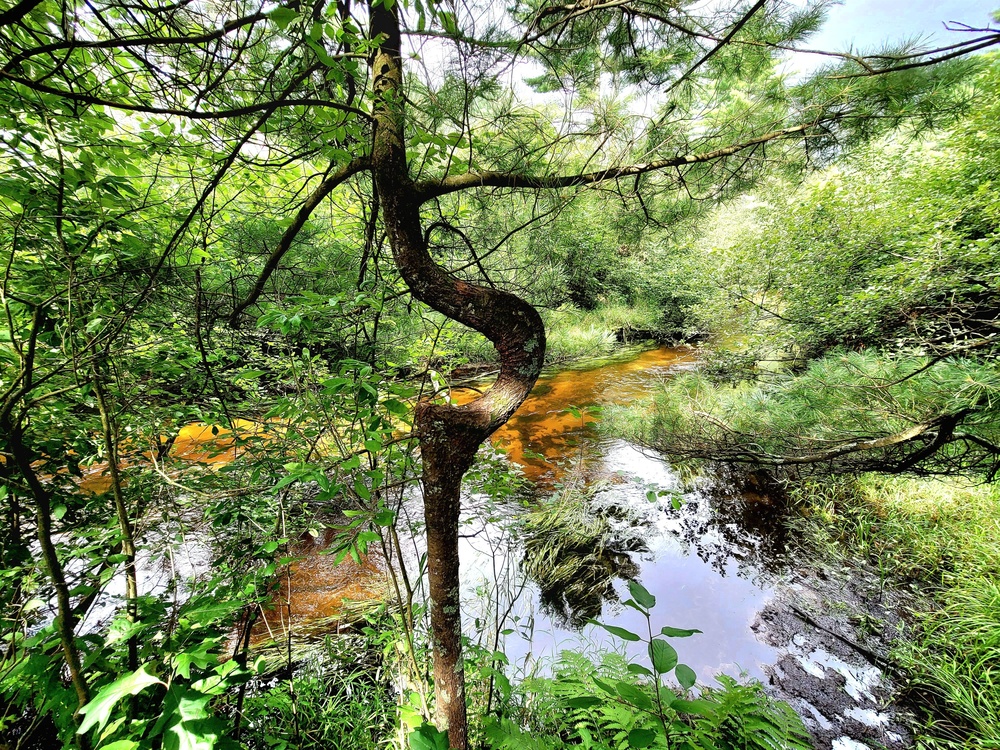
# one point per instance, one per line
(677, 632)
(98, 711)
(663, 655)
(633, 695)
(584, 701)
(189, 725)
(699, 707)
(685, 676)
(605, 686)
(428, 737)
(199, 656)
(641, 738)
(282, 17)
(639, 669)
(642, 597)
(625, 635)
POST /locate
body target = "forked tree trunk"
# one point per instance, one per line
(449, 435)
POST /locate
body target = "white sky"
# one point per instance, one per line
(866, 23)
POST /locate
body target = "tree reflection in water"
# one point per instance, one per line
(579, 541)
(736, 518)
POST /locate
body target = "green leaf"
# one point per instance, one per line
(633, 695)
(449, 22)
(677, 632)
(642, 597)
(362, 490)
(625, 635)
(639, 670)
(641, 737)
(428, 737)
(663, 655)
(699, 707)
(685, 676)
(98, 711)
(605, 686)
(395, 407)
(584, 701)
(200, 656)
(189, 725)
(282, 17)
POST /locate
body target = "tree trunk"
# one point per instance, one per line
(449, 435)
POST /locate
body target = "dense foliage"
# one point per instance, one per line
(856, 323)
(234, 240)
(862, 310)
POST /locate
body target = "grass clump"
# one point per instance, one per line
(945, 537)
(574, 552)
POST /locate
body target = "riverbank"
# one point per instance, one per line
(940, 539)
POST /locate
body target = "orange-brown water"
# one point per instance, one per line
(550, 429)
(315, 588)
(195, 443)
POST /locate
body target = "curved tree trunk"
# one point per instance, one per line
(449, 435)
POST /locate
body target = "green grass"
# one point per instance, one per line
(337, 699)
(946, 537)
(571, 334)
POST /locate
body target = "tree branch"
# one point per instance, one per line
(315, 198)
(18, 11)
(268, 106)
(428, 189)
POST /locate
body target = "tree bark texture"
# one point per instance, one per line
(449, 435)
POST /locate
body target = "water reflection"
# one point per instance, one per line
(554, 429)
(710, 562)
(574, 552)
(738, 519)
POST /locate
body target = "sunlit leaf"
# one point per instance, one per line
(98, 711)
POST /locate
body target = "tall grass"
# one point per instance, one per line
(945, 537)
(571, 333)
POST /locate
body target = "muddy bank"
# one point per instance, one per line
(834, 626)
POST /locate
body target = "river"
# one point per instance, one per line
(708, 571)
(720, 556)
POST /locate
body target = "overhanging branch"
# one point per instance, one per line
(428, 189)
(315, 198)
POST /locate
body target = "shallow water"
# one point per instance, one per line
(710, 563)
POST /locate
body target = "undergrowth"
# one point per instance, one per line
(616, 704)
